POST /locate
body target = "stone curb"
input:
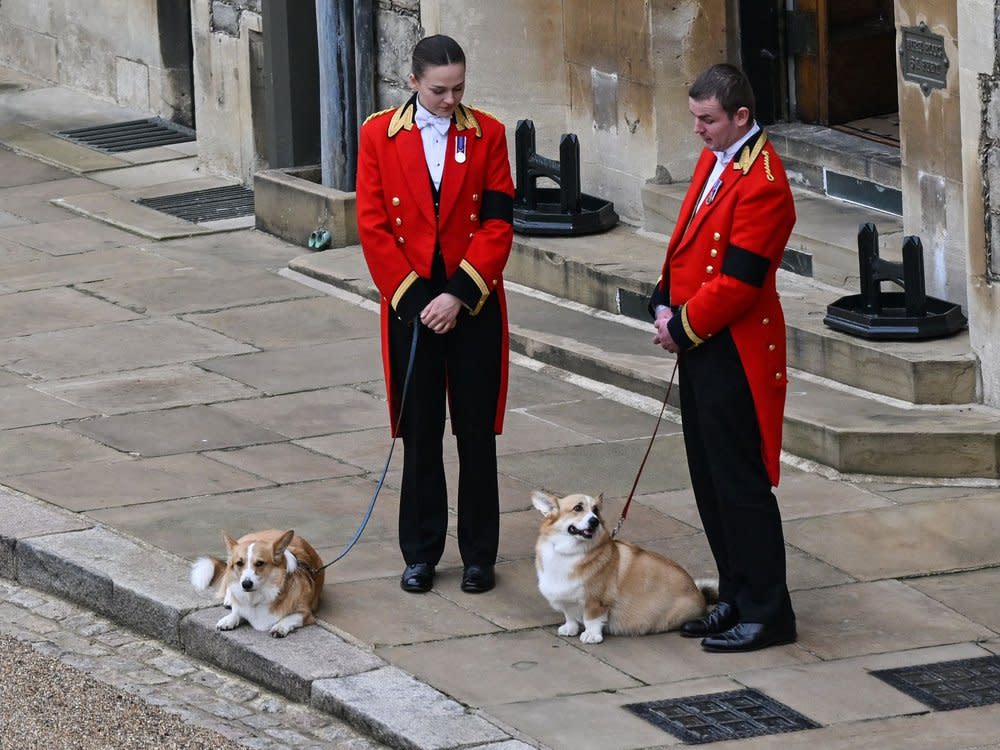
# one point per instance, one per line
(145, 588)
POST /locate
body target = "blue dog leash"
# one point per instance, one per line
(399, 421)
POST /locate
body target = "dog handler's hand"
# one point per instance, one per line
(663, 337)
(441, 313)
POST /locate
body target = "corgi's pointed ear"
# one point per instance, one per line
(599, 500)
(282, 544)
(544, 502)
(229, 541)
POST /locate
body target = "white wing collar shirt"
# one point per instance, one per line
(434, 132)
(722, 158)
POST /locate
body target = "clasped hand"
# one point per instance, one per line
(663, 337)
(441, 313)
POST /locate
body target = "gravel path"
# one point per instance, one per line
(47, 704)
(73, 680)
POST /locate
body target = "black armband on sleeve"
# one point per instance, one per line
(745, 265)
(497, 205)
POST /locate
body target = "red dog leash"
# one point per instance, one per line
(649, 447)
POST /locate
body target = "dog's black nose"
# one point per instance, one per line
(592, 522)
(247, 584)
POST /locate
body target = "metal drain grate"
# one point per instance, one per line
(129, 136)
(948, 685)
(721, 716)
(230, 202)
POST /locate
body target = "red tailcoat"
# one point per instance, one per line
(399, 230)
(720, 271)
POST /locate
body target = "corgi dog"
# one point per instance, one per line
(272, 579)
(605, 585)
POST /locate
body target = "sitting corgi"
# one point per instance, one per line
(272, 579)
(607, 585)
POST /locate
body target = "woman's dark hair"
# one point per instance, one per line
(432, 51)
(728, 85)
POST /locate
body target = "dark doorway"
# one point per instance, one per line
(844, 54)
(177, 56)
(762, 55)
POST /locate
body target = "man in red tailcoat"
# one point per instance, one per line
(716, 306)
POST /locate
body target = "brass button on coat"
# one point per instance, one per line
(771, 347)
(717, 236)
(765, 321)
(709, 269)
(475, 197)
(713, 252)
(399, 221)
(395, 200)
(473, 217)
(400, 240)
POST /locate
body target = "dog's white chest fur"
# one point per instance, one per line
(558, 581)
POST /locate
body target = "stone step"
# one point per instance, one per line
(839, 164)
(844, 428)
(615, 271)
(824, 241)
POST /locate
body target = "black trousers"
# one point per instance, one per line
(731, 486)
(463, 364)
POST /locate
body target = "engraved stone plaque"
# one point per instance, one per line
(923, 58)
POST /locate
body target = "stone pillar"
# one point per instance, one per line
(931, 148)
(979, 79)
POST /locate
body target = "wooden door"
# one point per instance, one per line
(845, 59)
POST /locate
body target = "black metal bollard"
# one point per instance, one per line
(910, 314)
(565, 210)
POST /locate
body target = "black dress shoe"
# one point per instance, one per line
(719, 620)
(417, 578)
(750, 636)
(478, 578)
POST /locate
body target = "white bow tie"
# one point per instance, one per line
(440, 124)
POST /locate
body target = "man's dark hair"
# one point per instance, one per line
(728, 85)
(432, 51)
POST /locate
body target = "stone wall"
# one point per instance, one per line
(615, 73)
(133, 52)
(228, 81)
(979, 78)
(931, 148)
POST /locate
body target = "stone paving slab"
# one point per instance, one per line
(25, 313)
(23, 406)
(872, 618)
(194, 291)
(325, 512)
(283, 371)
(139, 344)
(147, 389)
(80, 268)
(17, 170)
(58, 152)
(101, 485)
(292, 324)
(894, 542)
(527, 665)
(402, 711)
(132, 583)
(28, 450)
(32, 202)
(186, 429)
(288, 665)
(23, 518)
(70, 236)
(301, 415)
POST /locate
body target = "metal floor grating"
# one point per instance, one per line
(715, 717)
(129, 136)
(947, 685)
(229, 202)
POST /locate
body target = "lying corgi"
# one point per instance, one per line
(272, 579)
(604, 584)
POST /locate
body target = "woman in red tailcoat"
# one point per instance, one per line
(435, 211)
